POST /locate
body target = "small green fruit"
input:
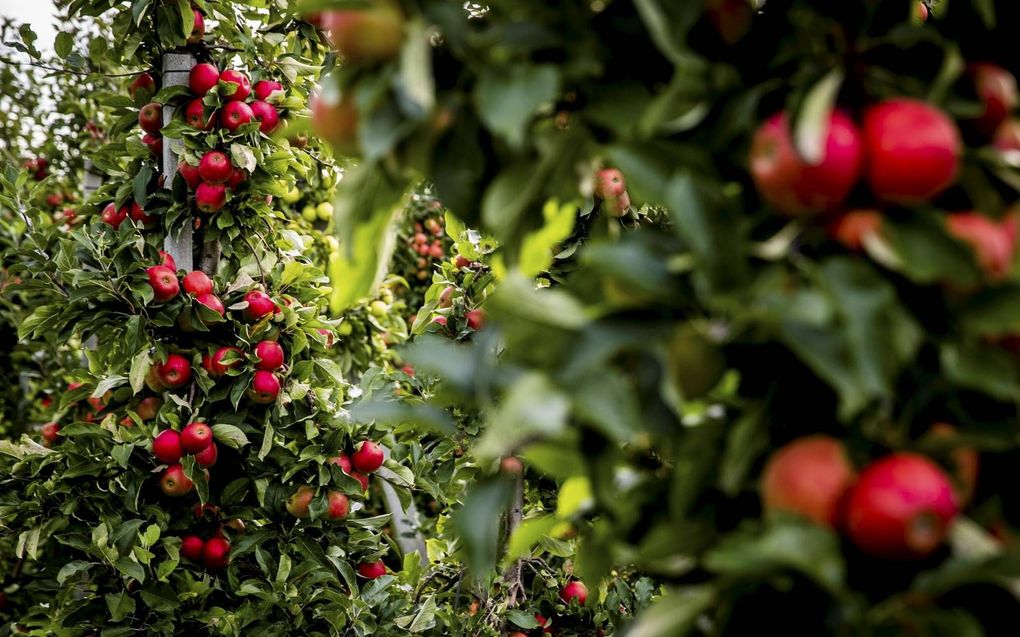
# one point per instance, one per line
(309, 214)
(325, 211)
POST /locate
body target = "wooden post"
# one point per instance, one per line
(91, 181)
(176, 67)
(405, 521)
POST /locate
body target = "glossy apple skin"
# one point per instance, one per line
(913, 151)
(368, 457)
(191, 547)
(901, 507)
(166, 447)
(203, 77)
(243, 85)
(372, 570)
(793, 186)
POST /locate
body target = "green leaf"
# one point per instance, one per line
(674, 614)
(522, 619)
(72, 568)
(517, 299)
(478, 522)
(575, 497)
(508, 98)
(416, 85)
(533, 408)
(63, 44)
(811, 130)
(121, 605)
(537, 248)
(806, 548)
(140, 365)
(527, 535)
(230, 435)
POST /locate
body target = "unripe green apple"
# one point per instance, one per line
(308, 213)
(324, 211)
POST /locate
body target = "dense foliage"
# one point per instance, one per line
(646, 318)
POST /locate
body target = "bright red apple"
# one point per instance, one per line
(197, 282)
(574, 590)
(792, 185)
(166, 447)
(215, 167)
(190, 174)
(210, 198)
(198, 30)
(270, 355)
(164, 283)
(139, 215)
(203, 77)
(150, 118)
(339, 506)
(194, 115)
(264, 88)
(174, 372)
(207, 457)
(901, 507)
(372, 570)
(265, 387)
(368, 457)
(196, 436)
(235, 114)
(142, 88)
(216, 554)
(267, 116)
(913, 150)
(214, 363)
(259, 305)
(113, 215)
(231, 76)
(191, 547)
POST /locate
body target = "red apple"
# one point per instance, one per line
(174, 372)
(216, 554)
(240, 80)
(212, 302)
(50, 433)
(365, 35)
(339, 506)
(207, 457)
(237, 177)
(150, 118)
(234, 115)
(166, 447)
(190, 174)
(298, 502)
(154, 143)
(270, 355)
(997, 89)
(372, 570)
(336, 121)
(574, 590)
(197, 282)
(852, 228)
(476, 319)
(114, 216)
(164, 283)
(913, 150)
(215, 167)
(342, 461)
(368, 457)
(210, 198)
(142, 88)
(266, 114)
(989, 239)
(139, 215)
(792, 185)
(259, 305)
(197, 31)
(196, 436)
(168, 260)
(1007, 141)
(191, 547)
(148, 407)
(265, 387)
(214, 363)
(174, 483)
(810, 477)
(264, 88)
(461, 262)
(202, 78)
(194, 115)
(362, 478)
(901, 507)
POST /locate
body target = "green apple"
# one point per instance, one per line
(309, 214)
(293, 195)
(325, 211)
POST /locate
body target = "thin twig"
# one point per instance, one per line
(69, 71)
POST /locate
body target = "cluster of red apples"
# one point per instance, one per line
(573, 590)
(907, 151)
(215, 173)
(899, 507)
(175, 371)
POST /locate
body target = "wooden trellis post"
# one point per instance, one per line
(176, 67)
